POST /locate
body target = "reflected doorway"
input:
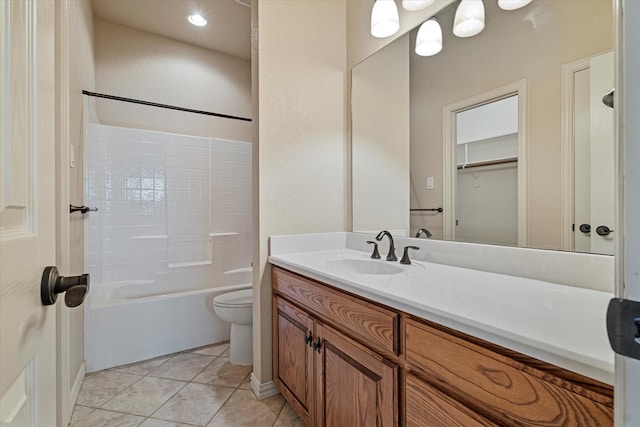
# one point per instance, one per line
(485, 167)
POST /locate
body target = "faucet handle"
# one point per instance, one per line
(405, 257)
(375, 254)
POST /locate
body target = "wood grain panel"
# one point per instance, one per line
(428, 407)
(493, 384)
(572, 381)
(355, 387)
(369, 323)
(293, 358)
(349, 392)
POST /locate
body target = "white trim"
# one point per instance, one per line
(449, 168)
(263, 390)
(77, 385)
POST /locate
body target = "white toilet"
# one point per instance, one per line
(237, 308)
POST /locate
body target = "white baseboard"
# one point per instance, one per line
(263, 390)
(77, 385)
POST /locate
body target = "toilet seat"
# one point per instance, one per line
(239, 299)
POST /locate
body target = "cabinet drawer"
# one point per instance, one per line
(426, 406)
(498, 384)
(371, 324)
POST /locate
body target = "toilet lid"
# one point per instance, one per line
(243, 298)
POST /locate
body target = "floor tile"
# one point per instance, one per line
(145, 396)
(144, 367)
(211, 350)
(104, 385)
(152, 422)
(102, 418)
(182, 366)
(244, 409)
(246, 384)
(288, 418)
(222, 372)
(194, 404)
(80, 413)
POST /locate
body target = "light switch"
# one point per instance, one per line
(430, 183)
(72, 156)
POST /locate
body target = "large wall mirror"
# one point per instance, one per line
(506, 131)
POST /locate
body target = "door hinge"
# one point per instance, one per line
(623, 327)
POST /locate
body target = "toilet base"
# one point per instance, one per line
(241, 346)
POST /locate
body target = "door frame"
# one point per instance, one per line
(449, 153)
(627, 196)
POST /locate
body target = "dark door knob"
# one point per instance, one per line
(585, 228)
(52, 284)
(603, 230)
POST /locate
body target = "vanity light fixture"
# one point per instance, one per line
(469, 18)
(197, 20)
(512, 4)
(429, 38)
(385, 21)
(412, 5)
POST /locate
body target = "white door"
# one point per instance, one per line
(582, 160)
(27, 190)
(594, 156)
(602, 155)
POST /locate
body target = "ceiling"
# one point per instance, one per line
(228, 30)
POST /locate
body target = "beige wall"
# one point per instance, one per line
(81, 76)
(141, 65)
(300, 177)
(532, 43)
(380, 123)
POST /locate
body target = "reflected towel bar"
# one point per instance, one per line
(426, 210)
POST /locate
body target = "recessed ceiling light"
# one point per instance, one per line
(197, 20)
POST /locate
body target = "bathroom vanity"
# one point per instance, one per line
(343, 355)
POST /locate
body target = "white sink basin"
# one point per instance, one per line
(361, 266)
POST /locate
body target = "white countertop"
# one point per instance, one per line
(558, 324)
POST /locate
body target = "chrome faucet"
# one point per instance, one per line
(425, 232)
(391, 256)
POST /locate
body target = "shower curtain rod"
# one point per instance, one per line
(170, 107)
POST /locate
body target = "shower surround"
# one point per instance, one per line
(172, 230)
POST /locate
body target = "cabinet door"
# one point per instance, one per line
(354, 386)
(427, 407)
(293, 356)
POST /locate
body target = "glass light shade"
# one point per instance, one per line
(385, 21)
(412, 5)
(469, 19)
(512, 4)
(429, 38)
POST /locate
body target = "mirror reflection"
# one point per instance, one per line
(486, 193)
(408, 157)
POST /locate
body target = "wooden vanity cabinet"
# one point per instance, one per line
(341, 360)
(293, 356)
(427, 406)
(506, 387)
(329, 378)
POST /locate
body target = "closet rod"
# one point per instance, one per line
(170, 107)
(489, 163)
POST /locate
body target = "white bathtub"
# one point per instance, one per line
(127, 322)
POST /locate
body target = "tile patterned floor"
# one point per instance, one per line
(196, 387)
